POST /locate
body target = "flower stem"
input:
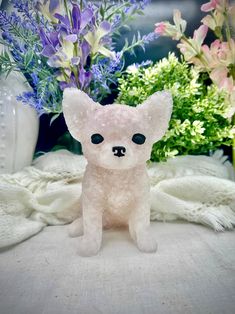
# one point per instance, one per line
(65, 75)
(115, 11)
(232, 71)
(81, 5)
(227, 28)
(68, 13)
(66, 7)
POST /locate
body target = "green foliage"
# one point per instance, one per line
(199, 123)
(6, 64)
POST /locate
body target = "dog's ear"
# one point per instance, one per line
(157, 111)
(77, 106)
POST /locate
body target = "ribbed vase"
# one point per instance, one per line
(19, 125)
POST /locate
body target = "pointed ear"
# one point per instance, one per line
(157, 110)
(77, 106)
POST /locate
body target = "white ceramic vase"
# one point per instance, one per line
(19, 125)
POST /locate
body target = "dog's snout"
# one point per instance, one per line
(119, 151)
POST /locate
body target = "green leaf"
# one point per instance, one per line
(140, 12)
(102, 11)
(28, 58)
(8, 72)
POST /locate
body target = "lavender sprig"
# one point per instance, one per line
(27, 10)
(139, 41)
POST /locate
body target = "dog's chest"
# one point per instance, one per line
(119, 198)
(117, 193)
(120, 191)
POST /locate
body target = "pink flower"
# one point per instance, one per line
(160, 28)
(220, 77)
(175, 31)
(187, 49)
(179, 22)
(191, 47)
(167, 29)
(223, 53)
(209, 57)
(213, 21)
(209, 6)
(219, 55)
(219, 5)
(199, 35)
(218, 59)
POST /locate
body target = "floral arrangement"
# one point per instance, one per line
(57, 44)
(202, 84)
(199, 122)
(218, 59)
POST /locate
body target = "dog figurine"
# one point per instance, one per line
(116, 141)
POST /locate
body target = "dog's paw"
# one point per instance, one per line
(75, 229)
(87, 246)
(147, 244)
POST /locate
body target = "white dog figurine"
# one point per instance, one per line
(117, 142)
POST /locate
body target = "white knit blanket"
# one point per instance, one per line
(195, 188)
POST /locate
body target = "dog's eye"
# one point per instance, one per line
(138, 138)
(96, 138)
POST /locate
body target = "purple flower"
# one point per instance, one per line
(54, 4)
(64, 25)
(49, 8)
(48, 51)
(94, 38)
(79, 20)
(84, 78)
(26, 9)
(149, 37)
(140, 4)
(30, 98)
(6, 35)
(49, 41)
(35, 78)
(104, 73)
(75, 61)
(60, 47)
(85, 49)
(9, 21)
(64, 85)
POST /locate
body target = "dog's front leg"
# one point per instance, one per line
(90, 243)
(139, 227)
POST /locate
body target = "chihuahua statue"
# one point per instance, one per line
(116, 141)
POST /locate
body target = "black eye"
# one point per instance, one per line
(138, 138)
(96, 138)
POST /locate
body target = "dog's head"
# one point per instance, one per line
(116, 136)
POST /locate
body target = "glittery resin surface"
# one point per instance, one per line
(116, 141)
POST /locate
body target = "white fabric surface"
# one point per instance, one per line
(196, 188)
(191, 273)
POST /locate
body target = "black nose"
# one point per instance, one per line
(119, 151)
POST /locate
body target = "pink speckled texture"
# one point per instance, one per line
(115, 189)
